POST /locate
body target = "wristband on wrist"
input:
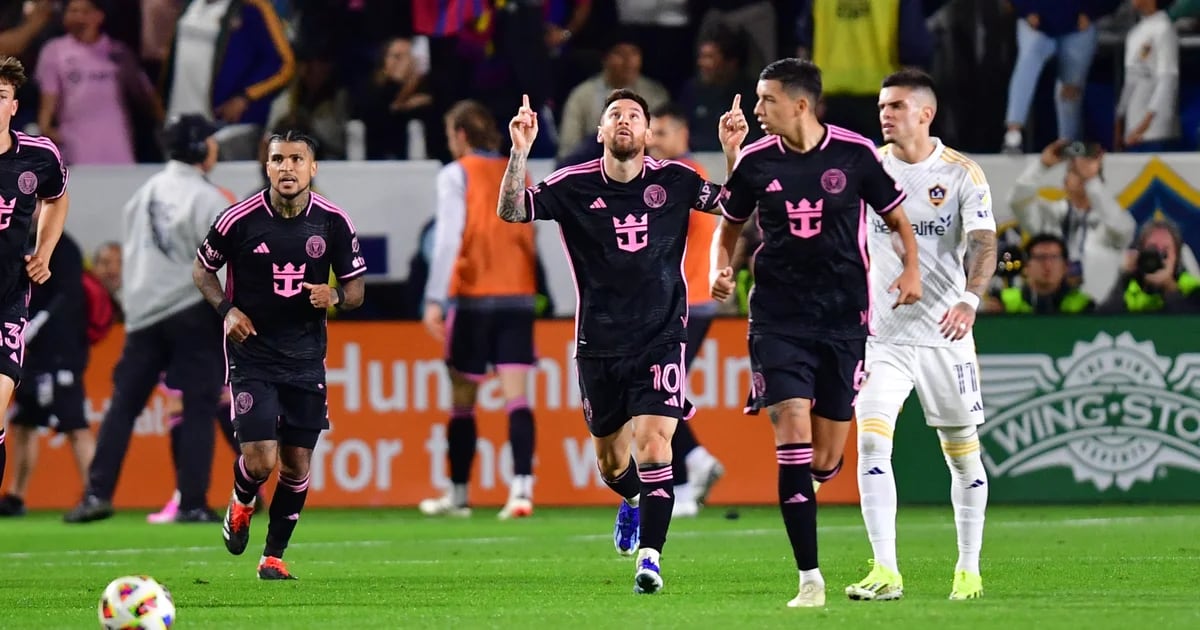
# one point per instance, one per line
(224, 307)
(970, 299)
(341, 295)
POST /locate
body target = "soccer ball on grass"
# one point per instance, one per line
(136, 603)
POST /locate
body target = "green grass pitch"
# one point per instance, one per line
(1043, 567)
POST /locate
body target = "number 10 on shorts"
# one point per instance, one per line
(668, 378)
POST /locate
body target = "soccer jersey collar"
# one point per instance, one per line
(934, 156)
(266, 200)
(16, 145)
(604, 176)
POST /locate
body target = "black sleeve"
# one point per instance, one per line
(51, 176)
(345, 255)
(877, 188)
(740, 195)
(218, 245)
(546, 201)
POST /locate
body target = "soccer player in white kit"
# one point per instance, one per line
(927, 346)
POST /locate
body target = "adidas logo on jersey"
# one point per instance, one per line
(876, 471)
(978, 483)
(774, 186)
(262, 249)
(978, 407)
(597, 204)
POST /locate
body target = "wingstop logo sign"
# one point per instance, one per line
(1115, 412)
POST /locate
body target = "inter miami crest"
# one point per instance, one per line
(937, 195)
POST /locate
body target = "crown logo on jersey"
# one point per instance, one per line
(287, 279)
(6, 211)
(937, 195)
(598, 204)
(633, 232)
(804, 218)
(774, 186)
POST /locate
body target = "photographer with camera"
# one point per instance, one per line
(1153, 279)
(1045, 290)
(1091, 222)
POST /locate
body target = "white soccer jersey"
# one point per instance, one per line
(948, 197)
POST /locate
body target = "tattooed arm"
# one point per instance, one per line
(980, 260)
(511, 206)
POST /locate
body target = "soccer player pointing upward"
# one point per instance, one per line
(810, 305)
(279, 245)
(624, 222)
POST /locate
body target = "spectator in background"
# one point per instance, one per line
(51, 393)
(1153, 279)
(24, 26)
(720, 74)
(1148, 111)
(1046, 290)
(1052, 28)
(106, 266)
(1089, 219)
(455, 48)
(228, 60)
(659, 26)
(158, 22)
(92, 87)
(756, 18)
(399, 94)
(857, 44)
(316, 94)
(585, 105)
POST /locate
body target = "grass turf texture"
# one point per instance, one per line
(1045, 567)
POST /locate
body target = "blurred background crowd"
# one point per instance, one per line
(1065, 80)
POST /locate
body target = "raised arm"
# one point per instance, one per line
(523, 129)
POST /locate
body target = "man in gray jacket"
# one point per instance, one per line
(168, 326)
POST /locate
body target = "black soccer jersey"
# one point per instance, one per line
(811, 269)
(267, 257)
(625, 244)
(30, 170)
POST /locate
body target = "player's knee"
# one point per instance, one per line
(875, 435)
(793, 422)
(654, 447)
(961, 446)
(260, 462)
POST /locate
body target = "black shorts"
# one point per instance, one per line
(13, 319)
(54, 400)
(290, 414)
(827, 372)
(480, 339)
(619, 388)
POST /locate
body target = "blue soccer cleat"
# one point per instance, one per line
(648, 579)
(627, 532)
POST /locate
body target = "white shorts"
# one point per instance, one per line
(946, 380)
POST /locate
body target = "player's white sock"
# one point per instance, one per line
(458, 494)
(877, 485)
(697, 457)
(811, 575)
(968, 492)
(521, 488)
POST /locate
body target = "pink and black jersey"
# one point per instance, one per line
(625, 244)
(267, 257)
(30, 170)
(811, 269)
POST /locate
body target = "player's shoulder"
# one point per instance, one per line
(245, 210)
(574, 174)
(844, 139)
(970, 171)
(38, 148)
(321, 203)
(668, 168)
(760, 150)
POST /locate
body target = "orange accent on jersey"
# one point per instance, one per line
(495, 258)
(701, 226)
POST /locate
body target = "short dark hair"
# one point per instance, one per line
(910, 78)
(623, 94)
(478, 123)
(794, 74)
(733, 42)
(670, 110)
(12, 72)
(1042, 239)
(294, 135)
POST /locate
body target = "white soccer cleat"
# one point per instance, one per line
(516, 508)
(703, 476)
(812, 595)
(648, 578)
(443, 506)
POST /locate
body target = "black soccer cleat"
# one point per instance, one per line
(12, 506)
(197, 515)
(236, 527)
(89, 509)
